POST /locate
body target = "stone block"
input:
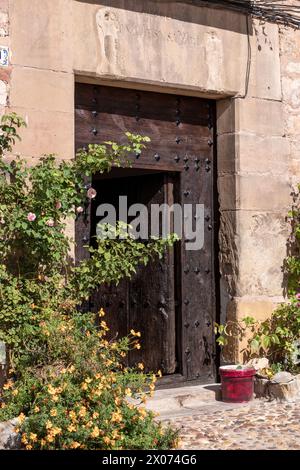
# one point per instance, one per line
(47, 132)
(247, 153)
(226, 116)
(41, 34)
(255, 116)
(162, 43)
(264, 80)
(45, 90)
(268, 155)
(260, 117)
(281, 391)
(254, 192)
(262, 245)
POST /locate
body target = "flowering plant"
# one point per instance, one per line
(69, 385)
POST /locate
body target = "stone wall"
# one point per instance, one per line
(5, 71)
(177, 48)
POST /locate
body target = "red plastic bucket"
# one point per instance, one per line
(237, 384)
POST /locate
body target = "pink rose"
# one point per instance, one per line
(298, 296)
(31, 217)
(91, 193)
(58, 205)
(79, 210)
(50, 223)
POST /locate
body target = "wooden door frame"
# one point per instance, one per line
(84, 233)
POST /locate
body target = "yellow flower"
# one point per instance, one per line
(144, 398)
(128, 392)
(116, 417)
(71, 369)
(137, 346)
(101, 313)
(72, 415)
(72, 428)
(88, 380)
(123, 354)
(135, 333)
(152, 387)
(50, 438)
(95, 415)
(15, 392)
(43, 442)
(55, 431)
(36, 409)
(24, 439)
(53, 412)
(106, 440)
(8, 385)
(74, 445)
(118, 401)
(95, 432)
(49, 425)
(159, 373)
(54, 391)
(84, 386)
(141, 366)
(33, 437)
(82, 412)
(29, 447)
(104, 326)
(115, 434)
(21, 418)
(142, 412)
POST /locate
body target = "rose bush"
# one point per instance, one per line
(70, 386)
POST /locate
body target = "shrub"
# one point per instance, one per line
(69, 385)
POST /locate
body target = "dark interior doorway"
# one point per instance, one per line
(147, 303)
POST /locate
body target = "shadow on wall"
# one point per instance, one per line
(183, 11)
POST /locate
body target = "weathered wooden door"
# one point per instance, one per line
(172, 301)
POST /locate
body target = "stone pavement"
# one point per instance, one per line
(208, 424)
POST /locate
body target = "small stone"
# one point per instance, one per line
(259, 363)
(282, 378)
(9, 439)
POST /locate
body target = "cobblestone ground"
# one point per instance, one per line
(259, 425)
